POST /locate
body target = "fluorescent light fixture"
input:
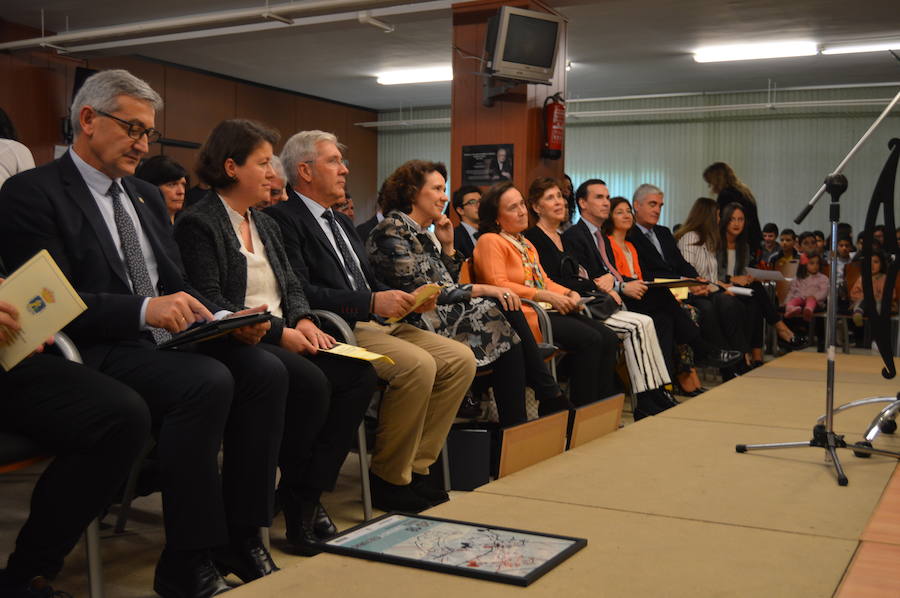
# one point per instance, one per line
(755, 51)
(853, 49)
(418, 75)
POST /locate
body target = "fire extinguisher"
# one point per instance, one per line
(554, 126)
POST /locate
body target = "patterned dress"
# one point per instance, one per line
(406, 256)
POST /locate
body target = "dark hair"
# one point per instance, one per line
(400, 189)
(235, 139)
(702, 220)
(741, 244)
(457, 200)
(801, 269)
(818, 234)
(881, 255)
(847, 238)
(770, 227)
(805, 235)
(789, 231)
(489, 208)
(7, 130)
(607, 227)
(159, 170)
(582, 190)
(536, 191)
(721, 176)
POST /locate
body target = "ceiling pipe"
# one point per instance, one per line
(367, 19)
(209, 20)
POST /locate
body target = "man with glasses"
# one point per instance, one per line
(465, 201)
(110, 234)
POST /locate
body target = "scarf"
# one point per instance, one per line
(533, 276)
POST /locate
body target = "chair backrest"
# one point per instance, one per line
(467, 272)
(852, 272)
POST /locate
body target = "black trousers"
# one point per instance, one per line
(226, 394)
(722, 320)
(327, 398)
(673, 326)
(592, 361)
(95, 427)
(758, 308)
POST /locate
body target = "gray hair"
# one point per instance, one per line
(643, 191)
(301, 147)
(102, 90)
(278, 167)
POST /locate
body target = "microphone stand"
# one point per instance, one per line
(823, 434)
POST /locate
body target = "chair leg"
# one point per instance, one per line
(445, 466)
(94, 560)
(364, 471)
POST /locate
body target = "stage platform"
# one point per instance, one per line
(667, 505)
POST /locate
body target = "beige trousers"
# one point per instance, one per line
(426, 384)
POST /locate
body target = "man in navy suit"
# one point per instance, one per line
(111, 237)
(430, 373)
(465, 201)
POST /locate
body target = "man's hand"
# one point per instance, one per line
(428, 305)
(315, 336)
(392, 304)
(252, 333)
(743, 280)
(294, 340)
(443, 230)
(605, 282)
(699, 290)
(175, 312)
(634, 289)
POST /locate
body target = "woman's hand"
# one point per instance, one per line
(443, 230)
(742, 280)
(604, 283)
(314, 335)
(509, 301)
(615, 296)
(252, 333)
(295, 341)
(564, 304)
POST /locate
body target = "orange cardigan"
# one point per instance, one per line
(622, 263)
(498, 263)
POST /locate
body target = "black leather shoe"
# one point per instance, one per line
(723, 358)
(323, 526)
(795, 343)
(299, 524)
(666, 399)
(422, 486)
(391, 497)
(38, 587)
(247, 558)
(647, 405)
(187, 575)
(469, 408)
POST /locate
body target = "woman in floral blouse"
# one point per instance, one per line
(488, 318)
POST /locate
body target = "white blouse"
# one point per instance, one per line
(700, 257)
(262, 287)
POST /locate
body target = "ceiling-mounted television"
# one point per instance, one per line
(522, 44)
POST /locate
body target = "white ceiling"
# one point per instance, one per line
(618, 47)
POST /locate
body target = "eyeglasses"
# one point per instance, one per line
(471, 202)
(134, 130)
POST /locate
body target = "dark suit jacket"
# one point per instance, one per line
(653, 265)
(217, 268)
(51, 207)
(315, 261)
(581, 244)
(365, 229)
(462, 242)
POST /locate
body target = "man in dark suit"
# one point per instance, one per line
(465, 201)
(430, 373)
(656, 247)
(583, 241)
(111, 237)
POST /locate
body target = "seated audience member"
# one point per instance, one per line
(844, 255)
(568, 193)
(345, 207)
(820, 242)
(879, 276)
(878, 234)
(94, 426)
(278, 190)
(770, 242)
(111, 236)
(733, 259)
(728, 188)
(430, 374)
(788, 251)
(897, 234)
(465, 203)
(366, 227)
(504, 257)
(807, 243)
(646, 365)
(808, 291)
(234, 255)
(171, 178)
(14, 157)
(406, 254)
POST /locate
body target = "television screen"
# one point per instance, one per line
(530, 41)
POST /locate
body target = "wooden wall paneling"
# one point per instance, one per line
(362, 151)
(271, 107)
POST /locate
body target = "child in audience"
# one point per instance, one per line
(808, 243)
(788, 251)
(808, 290)
(879, 265)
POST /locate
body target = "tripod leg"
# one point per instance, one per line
(841, 476)
(743, 448)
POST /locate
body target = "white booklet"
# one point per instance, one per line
(46, 303)
(759, 274)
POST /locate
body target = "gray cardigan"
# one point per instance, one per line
(217, 268)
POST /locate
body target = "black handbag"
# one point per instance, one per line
(603, 305)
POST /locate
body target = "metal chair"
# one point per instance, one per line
(18, 452)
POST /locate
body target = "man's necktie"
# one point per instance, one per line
(134, 257)
(651, 236)
(356, 276)
(601, 245)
